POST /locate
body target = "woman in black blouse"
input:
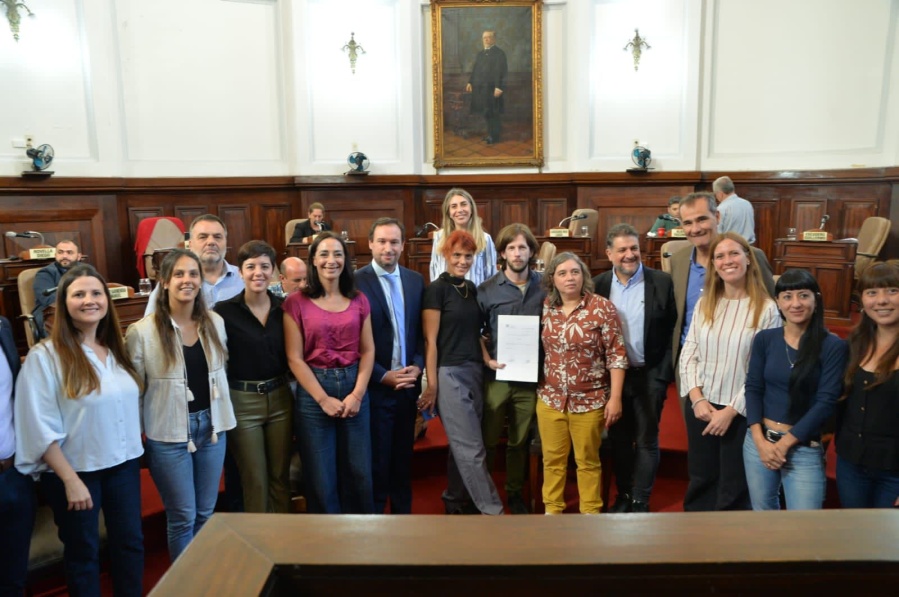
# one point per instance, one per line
(868, 428)
(258, 375)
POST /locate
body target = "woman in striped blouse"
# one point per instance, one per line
(713, 365)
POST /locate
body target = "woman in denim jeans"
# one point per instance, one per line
(328, 337)
(179, 351)
(792, 386)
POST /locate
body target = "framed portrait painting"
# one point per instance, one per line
(488, 95)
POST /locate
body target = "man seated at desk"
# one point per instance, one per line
(314, 225)
(47, 279)
(669, 220)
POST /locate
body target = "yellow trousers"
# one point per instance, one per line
(559, 431)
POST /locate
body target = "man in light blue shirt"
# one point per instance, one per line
(737, 214)
(221, 280)
(644, 298)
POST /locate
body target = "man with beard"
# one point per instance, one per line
(644, 298)
(514, 290)
(47, 279)
(209, 241)
(395, 295)
(486, 86)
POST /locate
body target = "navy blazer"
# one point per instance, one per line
(658, 322)
(382, 320)
(9, 347)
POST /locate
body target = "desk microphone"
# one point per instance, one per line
(424, 228)
(573, 219)
(49, 291)
(824, 219)
(26, 234)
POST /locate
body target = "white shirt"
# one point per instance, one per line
(7, 432)
(94, 432)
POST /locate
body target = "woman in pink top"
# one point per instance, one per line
(327, 334)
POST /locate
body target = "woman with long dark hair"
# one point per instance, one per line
(179, 351)
(77, 417)
(792, 386)
(734, 307)
(331, 351)
(868, 425)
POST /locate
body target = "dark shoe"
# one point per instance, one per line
(488, 140)
(470, 508)
(623, 504)
(639, 506)
(517, 505)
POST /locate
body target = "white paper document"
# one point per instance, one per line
(518, 346)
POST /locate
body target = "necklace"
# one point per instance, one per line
(787, 351)
(462, 285)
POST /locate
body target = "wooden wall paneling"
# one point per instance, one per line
(187, 213)
(804, 215)
(766, 229)
(240, 227)
(511, 211)
(138, 214)
(851, 216)
(273, 218)
(550, 211)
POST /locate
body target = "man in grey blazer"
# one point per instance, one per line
(699, 218)
(645, 302)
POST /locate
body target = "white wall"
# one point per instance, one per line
(261, 87)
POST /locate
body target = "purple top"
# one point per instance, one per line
(330, 340)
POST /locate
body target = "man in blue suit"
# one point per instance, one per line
(395, 294)
(17, 500)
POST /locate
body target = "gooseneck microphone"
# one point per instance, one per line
(573, 219)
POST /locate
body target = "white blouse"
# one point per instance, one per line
(95, 432)
(715, 356)
(483, 268)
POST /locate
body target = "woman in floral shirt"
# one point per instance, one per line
(583, 378)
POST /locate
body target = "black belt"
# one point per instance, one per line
(774, 436)
(260, 387)
(7, 463)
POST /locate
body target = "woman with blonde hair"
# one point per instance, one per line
(179, 351)
(733, 308)
(461, 213)
(868, 421)
(77, 418)
(583, 381)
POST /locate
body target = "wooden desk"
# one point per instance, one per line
(9, 295)
(301, 250)
(812, 552)
(418, 251)
(651, 249)
(833, 265)
(129, 311)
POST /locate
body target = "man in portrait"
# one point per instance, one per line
(486, 86)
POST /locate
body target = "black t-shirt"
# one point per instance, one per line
(197, 376)
(458, 340)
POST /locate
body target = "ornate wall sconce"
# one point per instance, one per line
(13, 16)
(636, 47)
(353, 50)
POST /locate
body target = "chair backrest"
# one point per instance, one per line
(668, 249)
(25, 282)
(546, 253)
(590, 222)
(290, 226)
(152, 234)
(871, 238)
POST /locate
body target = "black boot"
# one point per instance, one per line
(623, 504)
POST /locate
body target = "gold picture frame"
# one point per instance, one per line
(474, 126)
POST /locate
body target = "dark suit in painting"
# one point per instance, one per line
(393, 412)
(488, 75)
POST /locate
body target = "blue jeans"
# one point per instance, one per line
(17, 508)
(861, 487)
(117, 491)
(336, 453)
(188, 483)
(802, 478)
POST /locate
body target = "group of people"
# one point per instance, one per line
(228, 361)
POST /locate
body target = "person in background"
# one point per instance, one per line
(17, 498)
(668, 221)
(734, 307)
(644, 299)
(394, 294)
(180, 353)
(331, 351)
(209, 241)
(314, 224)
(792, 386)
(737, 214)
(867, 430)
(47, 279)
(291, 277)
(77, 417)
(461, 213)
(259, 378)
(486, 84)
(451, 320)
(583, 381)
(514, 290)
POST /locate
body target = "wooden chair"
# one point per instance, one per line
(27, 303)
(290, 226)
(547, 252)
(871, 238)
(668, 249)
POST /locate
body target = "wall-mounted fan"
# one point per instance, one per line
(41, 158)
(642, 157)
